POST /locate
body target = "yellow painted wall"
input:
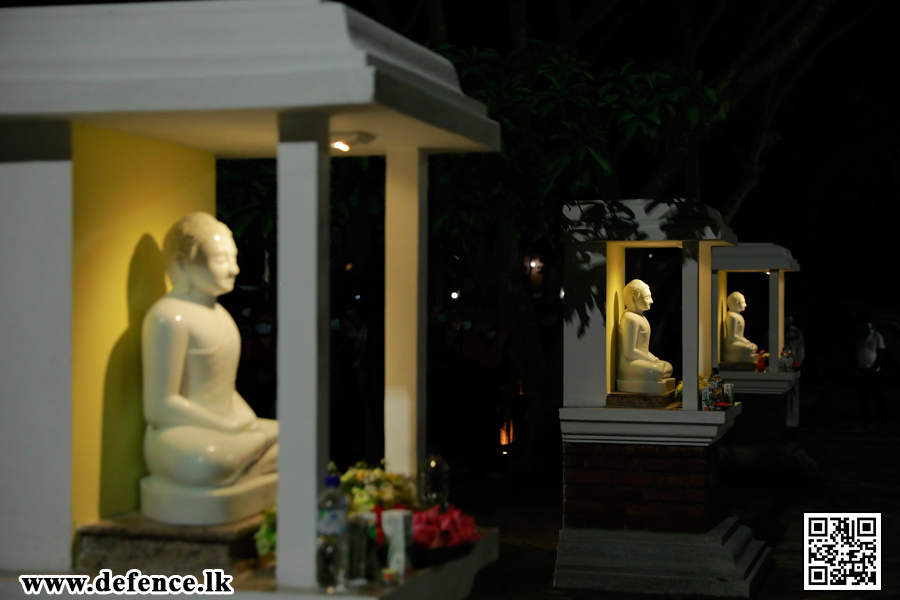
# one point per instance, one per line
(722, 311)
(615, 306)
(706, 328)
(127, 192)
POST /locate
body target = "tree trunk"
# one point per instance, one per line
(518, 24)
(437, 23)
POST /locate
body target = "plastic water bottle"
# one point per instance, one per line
(715, 385)
(332, 544)
(434, 481)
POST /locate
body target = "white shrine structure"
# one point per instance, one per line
(595, 260)
(774, 261)
(111, 120)
(640, 495)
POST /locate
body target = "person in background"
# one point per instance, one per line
(793, 340)
(869, 353)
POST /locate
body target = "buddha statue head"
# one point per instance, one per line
(637, 296)
(201, 255)
(736, 302)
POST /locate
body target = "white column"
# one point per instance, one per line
(690, 323)
(35, 348)
(303, 178)
(405, 307)
(586, 369)
(776, 317)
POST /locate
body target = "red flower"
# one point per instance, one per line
(379, 532)
(434, 530)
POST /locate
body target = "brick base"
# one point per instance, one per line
(641, 487)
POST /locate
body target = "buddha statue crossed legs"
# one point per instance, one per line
(639, 371)
(211, 460)
(736, 347)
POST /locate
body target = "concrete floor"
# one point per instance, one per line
(839, 465)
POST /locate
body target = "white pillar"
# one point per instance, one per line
(35, 348)
(690, 325)
(591, 271)
(776, 317)
(405, 307)
(303, 182)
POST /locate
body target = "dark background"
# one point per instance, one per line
(823, 183)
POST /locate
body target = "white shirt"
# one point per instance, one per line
(867, 351)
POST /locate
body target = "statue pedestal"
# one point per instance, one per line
(182, 505)
(646, 387)
(132, 541)
(640, 506)
(637, 400)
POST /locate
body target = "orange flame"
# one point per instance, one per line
(506, 433)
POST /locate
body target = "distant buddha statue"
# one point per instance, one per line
(737, 348)
(639, 371)
(211, 460)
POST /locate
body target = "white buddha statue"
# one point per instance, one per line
(639, 371)
(211, 460)
(736, 347)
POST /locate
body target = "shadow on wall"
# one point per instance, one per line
(122, 454)
(614, 346)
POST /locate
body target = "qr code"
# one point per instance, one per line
(843, 551)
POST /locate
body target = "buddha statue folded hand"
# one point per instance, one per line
(211, 459)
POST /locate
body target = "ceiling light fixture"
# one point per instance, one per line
(344, 140)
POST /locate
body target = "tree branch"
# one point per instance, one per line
(563, 18)
(755, 44)
(762, 21)
(781, 56)
(413, 17)
(814, 53)
(437, 23)
(589, 18)
(518, 23)
(772, 102)
(607, 35)
(669, 168)
(691, 57)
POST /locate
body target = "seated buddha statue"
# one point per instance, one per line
(639, 371)
(736, 347)
(211, 459)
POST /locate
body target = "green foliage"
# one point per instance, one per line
(267, 535)
(356, 181)
(246, 199)
(564, 130)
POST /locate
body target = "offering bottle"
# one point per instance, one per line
(332, 543)
(434, 481)
(715, 384)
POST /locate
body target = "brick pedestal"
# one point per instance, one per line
(641, 487)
